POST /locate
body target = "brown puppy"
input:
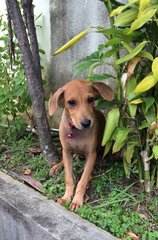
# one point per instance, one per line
(81, 129)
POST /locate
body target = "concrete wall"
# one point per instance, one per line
(60, 21)
(68, 18)
(43, 33)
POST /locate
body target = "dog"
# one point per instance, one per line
(80, 131)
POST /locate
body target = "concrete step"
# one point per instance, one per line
(25, 214)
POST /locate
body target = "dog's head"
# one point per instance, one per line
(79, 97)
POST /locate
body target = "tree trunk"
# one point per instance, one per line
(31, 61)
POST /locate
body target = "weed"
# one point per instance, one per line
(113, 202)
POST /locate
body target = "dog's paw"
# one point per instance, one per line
(64, 200)
(77, 202)
(55, 169)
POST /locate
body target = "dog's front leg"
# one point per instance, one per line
(69, 181)
(82, 184)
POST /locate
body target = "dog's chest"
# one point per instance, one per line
(79, 140)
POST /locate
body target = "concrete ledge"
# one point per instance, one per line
(27, 215)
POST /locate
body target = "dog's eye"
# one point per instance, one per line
(90, 100)
(72, 102)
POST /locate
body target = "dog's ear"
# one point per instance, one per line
(104, 91)
(54, 100)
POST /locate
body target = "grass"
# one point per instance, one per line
(112, 202)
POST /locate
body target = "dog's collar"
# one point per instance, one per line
(71, 126)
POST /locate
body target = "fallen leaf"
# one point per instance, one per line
(27, 172)
(133, 235)
(35, 150)
(27, 179)
(143, 216)
(31, 181)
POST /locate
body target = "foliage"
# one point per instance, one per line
(131, 50)
(14, 97)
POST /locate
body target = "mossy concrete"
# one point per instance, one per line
(26, 214)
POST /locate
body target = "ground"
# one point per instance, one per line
(112, 202)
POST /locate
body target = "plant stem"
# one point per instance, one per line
(157, 177)
(146, 163)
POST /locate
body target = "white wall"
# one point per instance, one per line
(43, 33)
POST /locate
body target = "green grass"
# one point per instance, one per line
(114, 203)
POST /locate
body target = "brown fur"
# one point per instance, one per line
(85, 139)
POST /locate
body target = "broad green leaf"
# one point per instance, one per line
(143, 125)
(70, 43)
(17, 80)
(156, 131)
(128, 153)
(130, 86)
(112, 41)
(146, 54)
(155, 151)
(150, 114)
(127, 46)
(99, 77)
(102, 104)
(147, 83)
(107, 148)
(126, 167)
(132, 109)
(145, 16)
(95, 56)
(126, 17)
(132, 54)
(155, 68)
(121, 8)
(117, 10)
(111, 52)
(148, 102)
(109, 31)
(18, 91)
(112, 120)
(84, 66)
(142, 5)
(121, 138)
(136, 101)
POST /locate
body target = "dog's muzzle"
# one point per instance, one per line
(86, 123)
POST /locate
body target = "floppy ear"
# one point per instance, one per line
(54, 100)
(104, 91)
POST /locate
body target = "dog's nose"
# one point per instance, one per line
(86, 123)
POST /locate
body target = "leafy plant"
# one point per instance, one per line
(14, 97)
(130, 49)
(113, 202)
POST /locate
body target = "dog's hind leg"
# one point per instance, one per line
(56, 168)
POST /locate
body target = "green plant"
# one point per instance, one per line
(14, 97)
(131, 51)
(113, 202)
(115, 206)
